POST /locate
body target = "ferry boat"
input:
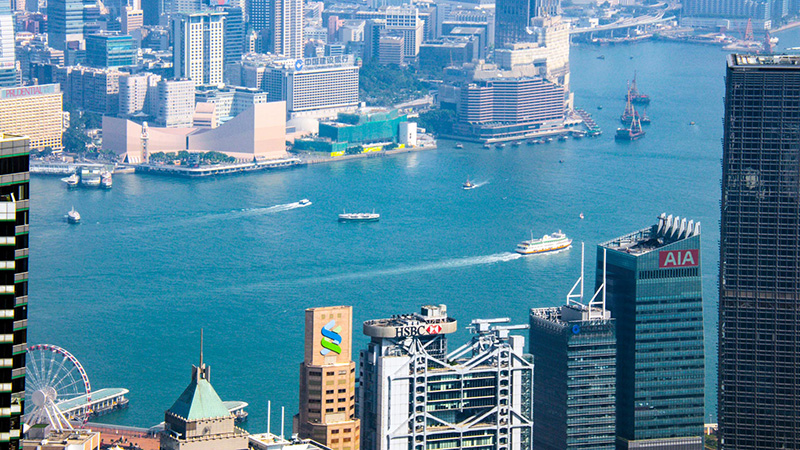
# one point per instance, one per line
(72, 180)
(630, 134)
(90, 176)
(105, 180)
(304, 202)
(73, 216)
(548, 243)
(459, 145)
(359, 217)
(467, 185)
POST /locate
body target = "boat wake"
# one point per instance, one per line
(454, 263)
(481, 183)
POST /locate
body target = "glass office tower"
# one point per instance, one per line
(654, 292)
(759, 297)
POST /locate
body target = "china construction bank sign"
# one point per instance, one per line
(28, 91)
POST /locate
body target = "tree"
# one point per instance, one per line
(438, 121)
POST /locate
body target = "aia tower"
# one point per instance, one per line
(655, 294)
(327, 380)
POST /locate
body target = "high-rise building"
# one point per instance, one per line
(110, 50)
(33, 111)
(311, 87)
(759, 268)
(132, 19)
(66, 22)
(199, 51)
(14, 215)
(512, 17)
(198, 420)
(234, 35)
(414, 395)
(259, 12)
(138, 93)
(287, 28)
(8, 61)
(574, 348)
(175, 106)
(328, 381)
(655, 294)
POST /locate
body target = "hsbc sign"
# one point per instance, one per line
(669, 259)
(418, 330)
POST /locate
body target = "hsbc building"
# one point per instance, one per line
(654, 292)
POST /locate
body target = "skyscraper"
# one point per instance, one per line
(199, 51)
(14, 207)
(414, 395)
(8, 62)
(511, 19)
(655, 294)
(287, 28)
(65, 23)
(575, 351)
(234, 35)
(759, 298)
(328, 380)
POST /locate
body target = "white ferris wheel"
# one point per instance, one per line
(53, 378)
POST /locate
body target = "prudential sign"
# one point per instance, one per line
(331, 338)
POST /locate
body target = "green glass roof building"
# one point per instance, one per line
(654, 292)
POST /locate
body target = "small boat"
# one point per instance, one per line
(105, 180)
(304, 202)
(73, 216)
(468, 185)
(487, 146)
(601, 57)
(516, 144)
(501, 145)
(581, 216)
(72, 180)
(599, 106)
(359, 217)
(578, 134)
(459, 145)
(548, 243)
(563, 137)
(691, 123)
(531, 142)
(548, 140)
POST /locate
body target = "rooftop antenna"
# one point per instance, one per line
(572, 296)
(201, 349)
(269, 414)
(282, 419)
(594, 312)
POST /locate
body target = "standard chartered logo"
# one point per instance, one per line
(331, 338)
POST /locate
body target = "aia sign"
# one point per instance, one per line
(678, 258)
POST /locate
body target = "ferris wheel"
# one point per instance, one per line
(54, 377)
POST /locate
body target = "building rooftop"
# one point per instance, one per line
(668, 230)
(199, 400)
(739, 60)
(431, 320)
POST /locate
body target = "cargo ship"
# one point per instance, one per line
(548, 243)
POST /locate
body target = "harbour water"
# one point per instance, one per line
(157, 258)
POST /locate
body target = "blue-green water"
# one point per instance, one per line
(156, 258)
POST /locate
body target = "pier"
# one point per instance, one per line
(100, 402)
(219, 169)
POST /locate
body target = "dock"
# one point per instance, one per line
(218, 169)
(99, 402)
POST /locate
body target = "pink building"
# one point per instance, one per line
(257, 133)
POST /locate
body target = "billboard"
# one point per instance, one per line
(29, 91)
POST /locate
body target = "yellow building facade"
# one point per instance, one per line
(33, 111)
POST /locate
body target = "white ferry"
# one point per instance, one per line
(548, 243)
(73, 216)
(72, 180)
(359, 217)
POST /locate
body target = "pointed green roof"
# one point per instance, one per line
(199, 401)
